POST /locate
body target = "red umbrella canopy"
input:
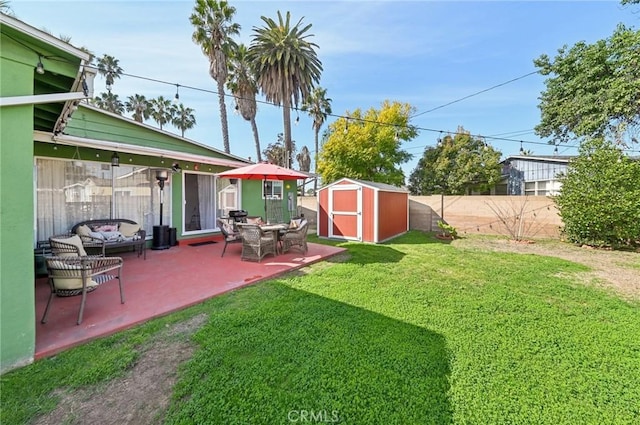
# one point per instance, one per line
(262, 171)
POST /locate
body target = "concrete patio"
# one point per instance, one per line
(168, 280)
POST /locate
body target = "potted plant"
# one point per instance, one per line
(447, 231)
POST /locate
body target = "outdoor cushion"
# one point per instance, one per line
(295, 223)
(254, 220)
(68, 282)
(128, 230)
(83, 230)
(73, 240)
(228, 228)
(96, 235)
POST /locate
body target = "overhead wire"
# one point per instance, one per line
(350, 118)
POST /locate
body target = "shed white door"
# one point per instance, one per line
(345, 212)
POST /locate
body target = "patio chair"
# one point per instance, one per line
(255, 242)
(296, 237)
(71, 273)
(230, 233)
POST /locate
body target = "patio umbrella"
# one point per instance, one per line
(263, 171)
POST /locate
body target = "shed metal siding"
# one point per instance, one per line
(392, 214)
(368, 214)
(323, 214)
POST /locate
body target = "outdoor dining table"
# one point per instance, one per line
(275, 229)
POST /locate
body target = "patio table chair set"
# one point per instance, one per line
(261, 240)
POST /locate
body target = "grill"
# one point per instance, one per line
(238, 216)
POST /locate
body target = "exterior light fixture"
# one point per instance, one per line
(40, 66)
(115, 160)
(521, 148)
(176, 98)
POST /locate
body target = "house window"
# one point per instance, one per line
(68, 192)
(542, 188)
(272, 189)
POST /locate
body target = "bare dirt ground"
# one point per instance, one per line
(142, 395)
(615, 270)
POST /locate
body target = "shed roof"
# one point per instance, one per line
(373, 185)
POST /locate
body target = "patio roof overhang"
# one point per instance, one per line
(46, 137)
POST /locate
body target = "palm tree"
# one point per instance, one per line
(109, 102)
(108, 67)
(139, 105)
(286, 64)
(161, 111)
(5, 7)
(318, 106)
(213, 30)
(183, 118)
(242, 83)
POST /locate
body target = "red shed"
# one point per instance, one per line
(362, 211)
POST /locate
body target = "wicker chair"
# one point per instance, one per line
(71, 273)
(296, 238)
(256, 243)
(230, 233)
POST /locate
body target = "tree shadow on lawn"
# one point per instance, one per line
(295, 355)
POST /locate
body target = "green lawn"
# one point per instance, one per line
(415, 331)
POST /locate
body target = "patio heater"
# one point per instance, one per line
(161, 232)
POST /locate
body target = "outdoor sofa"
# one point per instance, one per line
(107, 234)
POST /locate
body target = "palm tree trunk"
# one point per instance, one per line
(286, 116)
(315, 164)
(223, 117)
(254, 127)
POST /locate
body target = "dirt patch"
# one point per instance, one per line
(616, 270)
(139, 397)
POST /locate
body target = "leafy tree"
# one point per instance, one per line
(161, 111)
(593, 89)
(243, 86)
(109, 67)
(304, 159)
(368, 145)
(599, 201)
(456, 164)
(214, 28)
(109, 102)
(182, 118)
(318, 106)
(140, 107)
(287, 66)
(276, 153)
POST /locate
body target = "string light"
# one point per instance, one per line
(176, 98)
(362, 119)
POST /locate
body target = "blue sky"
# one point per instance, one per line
(426, 53)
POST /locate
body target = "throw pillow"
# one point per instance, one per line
(73, 240)
(228, 228)
(254, 220)
(107, 227)
(128, 230)
(83, 230)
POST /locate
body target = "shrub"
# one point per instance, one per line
(600, 197)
